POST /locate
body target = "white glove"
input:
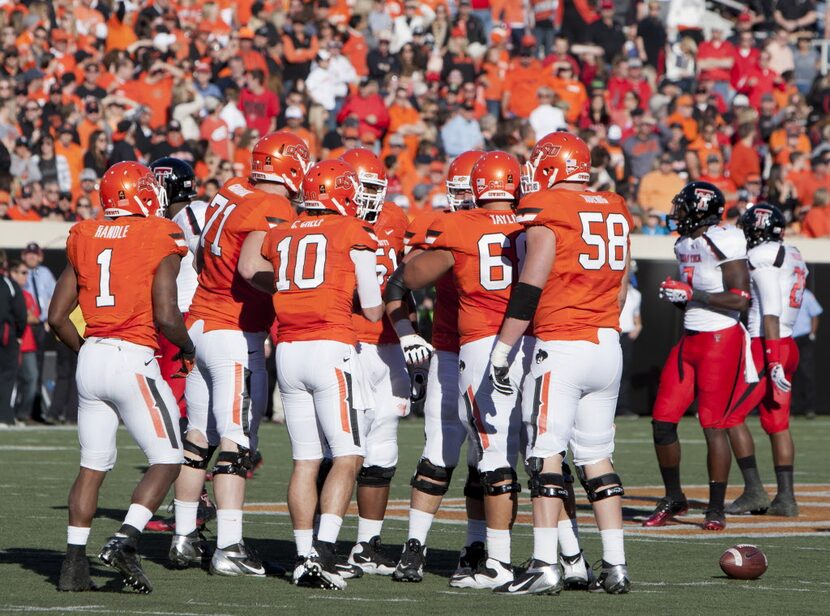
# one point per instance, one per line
(500, 368)
(416, 350)
(675, 291)
(778, 378)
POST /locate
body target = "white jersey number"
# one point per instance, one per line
(223, 210)
(612, 251)
(495, 266)
(306, 274)
(105, 299)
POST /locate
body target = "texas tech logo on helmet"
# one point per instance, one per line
(761, 218)
(702, 198)
(162, 173)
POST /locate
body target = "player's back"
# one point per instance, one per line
(191, 220)
(791, 274)
(445, 317)
(315, 276)
(581, 293)
(389, 229)
(224, 300)
(486, 245)
(115, 262)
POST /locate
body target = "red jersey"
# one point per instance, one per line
(592, 243)
(445, 316)
(485, 245)
(389, 229)
(223, 299)
(315, 277)
(115, 262)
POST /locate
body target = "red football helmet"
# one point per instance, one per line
(458, 180)
(331, 185)
(131, 189)
(280, 157)
(557, 157)
(371, 174)
(495, 177)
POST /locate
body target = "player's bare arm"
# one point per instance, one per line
(166, 313)
(64, 301)
(252, 267)
(736, 282)
(425, 269)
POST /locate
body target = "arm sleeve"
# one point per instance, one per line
(766, 280)
(365, 268)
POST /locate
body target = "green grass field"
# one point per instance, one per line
(674, 571)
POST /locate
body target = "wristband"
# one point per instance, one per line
(772, 351)
(500, 352)
(192, 350)
(741, 293)
(403, 327)
(701, 297)
(523, 302)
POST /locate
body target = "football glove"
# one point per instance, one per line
(418, 384)
(778, 378)
(416, 350)
(675, 291)
(188, 360)
(500, 368)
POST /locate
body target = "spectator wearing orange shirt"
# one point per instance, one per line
(744, 160)
(714, 175)
(405, 120)
(294, 124)
(251, 58)
(684, 115)
(570, 91)
(816, 222)
(658, 187)
(24, 207)
(701, 149)
(521, 84)
(71, 151)
(790, 138)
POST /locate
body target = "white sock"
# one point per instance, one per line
(304, 538)
(138, 516)
(77, 535)
(228, 527)
(186, 513)
(545, 544)
(419, 524)
(366, 529)
(329, 527)
(568, 537)
(613, 549)
(498, 544)
(476, 531)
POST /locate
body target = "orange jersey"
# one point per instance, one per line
(445, 316)
(315, 277)
(389, 230)
(592, 243)
(115, 262)
(223, 299)
(485, 245)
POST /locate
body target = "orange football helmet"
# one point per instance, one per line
(557, 157)
(495, 177)
(458, 180)
(130, 189)
(371, 175)
(331, 185)
(280, 157)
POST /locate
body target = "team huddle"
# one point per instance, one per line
(530, 269)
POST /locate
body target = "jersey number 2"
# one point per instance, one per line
(105, 299)
(612, 250)
(797, 292)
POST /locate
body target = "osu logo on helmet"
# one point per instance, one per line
(130, 189)
(459, 189)
(280, 157)
(557, 157)
(331, 185)
(371, 175)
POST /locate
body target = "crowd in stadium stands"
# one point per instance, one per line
(663, 92)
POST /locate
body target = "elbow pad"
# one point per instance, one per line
(396, 290)
(523, 302)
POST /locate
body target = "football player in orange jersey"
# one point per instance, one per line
(384, 367)
(572, 285)
(481, 248)
(229, 320)
(318, 262)
(443, 428)
(122, 271)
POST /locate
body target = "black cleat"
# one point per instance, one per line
(470, 557)
(75, 573)
(319, 569)
(346, 569)
(755, 502)
(121, 554)
(410, 567)
(370, 556)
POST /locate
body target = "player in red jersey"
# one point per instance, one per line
(778, 274)
(572, 285)
(122, 272)
(480, 247)
(708, 363)
(316, 264)
(384, 367)
(229, 321)
(443, 429)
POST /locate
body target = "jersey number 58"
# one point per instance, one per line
(611, 247)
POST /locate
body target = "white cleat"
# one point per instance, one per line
(489, 574)
(540, 578)
(577, 574)
(236, 560)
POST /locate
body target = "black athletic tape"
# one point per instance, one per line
(664, 432)
(396, 290)
(523, 301)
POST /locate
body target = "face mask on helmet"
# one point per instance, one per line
(371, 193)
(460, 193)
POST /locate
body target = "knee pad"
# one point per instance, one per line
(473, 488)
(375, 476)
(235, 462)
(548, 485)
(323, 472)
(440, 475)
(602, 487)
(505, 473)
(664, 432)
(204, 453)
(590, 447)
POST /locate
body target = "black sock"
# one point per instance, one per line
(671, 479)
(717, 494)
(749, 469)
(129, 531)
(784, 477)
(75, 550)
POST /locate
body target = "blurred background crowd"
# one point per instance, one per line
(663, 92)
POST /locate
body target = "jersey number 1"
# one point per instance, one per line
(105, 299)
(224, 209)
(303, 277)
(612, 250)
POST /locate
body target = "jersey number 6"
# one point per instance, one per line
(612, 250)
